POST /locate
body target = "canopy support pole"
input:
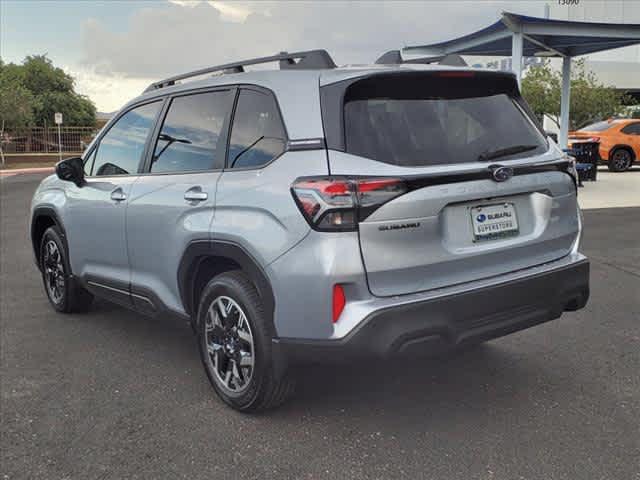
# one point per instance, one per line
(516, 55)
(564, 102)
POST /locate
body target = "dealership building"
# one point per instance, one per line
(618, 68)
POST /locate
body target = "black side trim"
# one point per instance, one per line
(116, 292)
(145, 301)
(199, 250)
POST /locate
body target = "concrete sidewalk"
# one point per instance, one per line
(611, 190)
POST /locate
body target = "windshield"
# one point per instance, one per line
(437, 124)
(597, 127)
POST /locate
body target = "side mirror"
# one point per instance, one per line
(71, 170)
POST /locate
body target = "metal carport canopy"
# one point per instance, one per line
(520, 35)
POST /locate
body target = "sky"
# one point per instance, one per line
(114, 48)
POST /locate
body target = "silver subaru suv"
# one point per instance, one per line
(318, 213)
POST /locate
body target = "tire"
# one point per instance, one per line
(239, 363)
(620, 160)
(64, 294)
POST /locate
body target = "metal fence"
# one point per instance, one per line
(34, 140)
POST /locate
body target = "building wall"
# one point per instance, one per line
(609, 11)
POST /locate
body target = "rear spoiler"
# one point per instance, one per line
(394, 57)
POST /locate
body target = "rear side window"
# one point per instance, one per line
(121, 148)
(597, 127)
(257, 135)
(632, 129)
(191, 136)
(426, 121)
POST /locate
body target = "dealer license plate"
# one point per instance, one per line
(494, 221)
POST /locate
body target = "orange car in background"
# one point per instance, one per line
(619, 141)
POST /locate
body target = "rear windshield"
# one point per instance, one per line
(437, 121)
(597, 127)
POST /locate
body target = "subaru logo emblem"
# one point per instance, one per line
(502, 174)
(481, 218)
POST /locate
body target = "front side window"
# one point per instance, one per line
(121, 148)
(88, 163)
(257, 135)
(632, 129)
(191, 136)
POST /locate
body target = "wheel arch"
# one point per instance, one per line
(204, 259)
(41, 220)
(626, 147)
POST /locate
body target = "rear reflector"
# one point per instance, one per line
(339, 302)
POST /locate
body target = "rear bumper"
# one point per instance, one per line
(604, 154)
(447, 322)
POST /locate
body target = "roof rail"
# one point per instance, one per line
(311, 59)
(393, 57)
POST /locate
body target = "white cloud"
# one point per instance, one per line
(185, 3)
(108, 91)
(181, 35)
(229, 11)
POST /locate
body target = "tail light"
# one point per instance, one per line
(584, 139)
(571, 170)
(338, 204)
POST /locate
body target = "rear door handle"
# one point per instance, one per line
(118, 195)
(195, 194)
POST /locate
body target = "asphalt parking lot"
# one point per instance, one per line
(111, 394)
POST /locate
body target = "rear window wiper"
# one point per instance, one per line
(503, 152)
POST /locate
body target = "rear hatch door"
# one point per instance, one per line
(485, 194)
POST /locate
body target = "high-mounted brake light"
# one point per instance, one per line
(455, 74)
(338, 204)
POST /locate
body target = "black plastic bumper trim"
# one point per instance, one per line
(454, 320)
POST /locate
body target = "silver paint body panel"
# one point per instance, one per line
(141, 240)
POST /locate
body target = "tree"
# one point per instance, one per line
(16, 101)
(36, 90)
(590, 100)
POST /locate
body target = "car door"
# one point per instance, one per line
(632, 137)
(172, 203)
(95, 223)
(253, 200)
